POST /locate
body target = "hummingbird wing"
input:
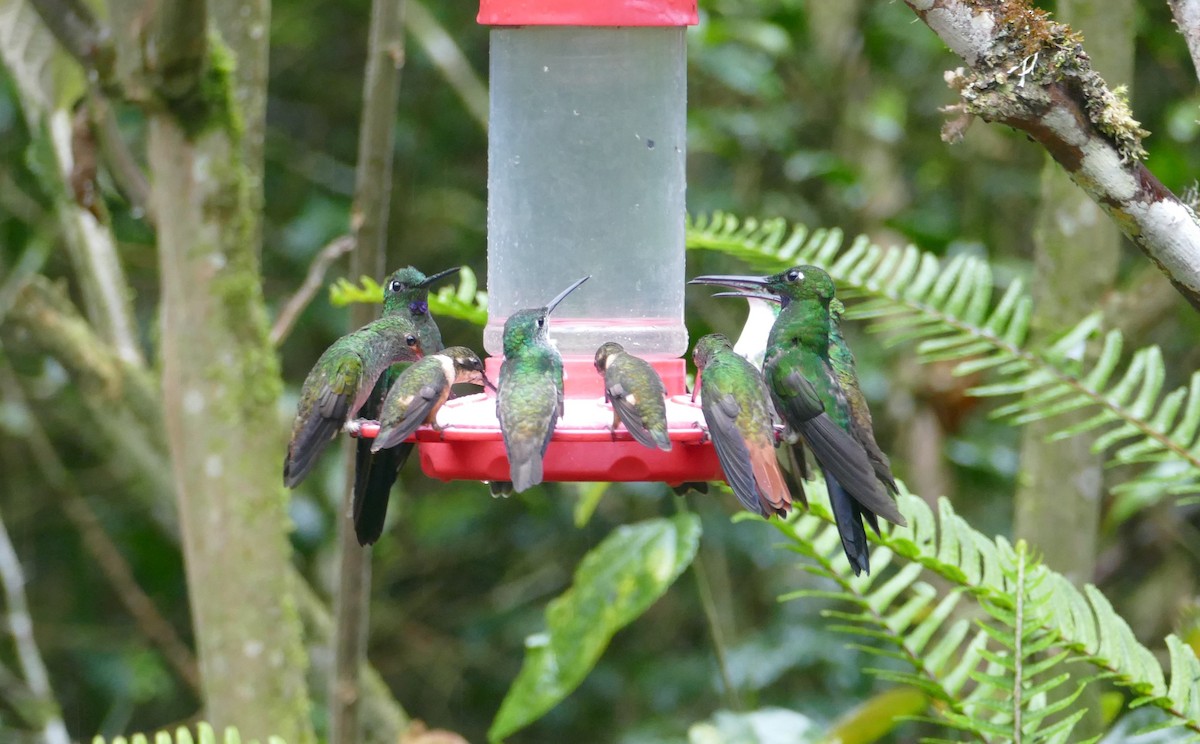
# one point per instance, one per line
(720, 413)
(749, 467)
(325, 403)
(405, 410)
(633, 410)
(837, 452)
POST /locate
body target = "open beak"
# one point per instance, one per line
(767, 296)
(563, 294)
(733, 281)
(429, 280)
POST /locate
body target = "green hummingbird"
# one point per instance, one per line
(405, 295)
(813, 401)
(842, 360)
(637, 395)
(529, 400)
(737, 411)
(340, 383)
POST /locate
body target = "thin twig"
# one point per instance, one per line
(116, 569)
(77, 30)
(20, 624)
(1187, 19)
(114, 566)
(449, 59)
(708, 602)
(122, 166)
(315, 278)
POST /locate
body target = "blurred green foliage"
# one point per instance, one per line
(821, 112)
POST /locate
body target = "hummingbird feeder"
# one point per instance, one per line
(586, 149)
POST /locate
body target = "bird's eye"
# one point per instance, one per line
(541, 321)
(411, 340)
(395, 285)
(794, 275)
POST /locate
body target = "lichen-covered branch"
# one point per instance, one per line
(20, 625)
(1031, 73)
(1187, 18)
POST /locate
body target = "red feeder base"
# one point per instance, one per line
(583, 448)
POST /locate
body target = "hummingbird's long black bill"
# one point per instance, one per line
(440, 275)
(487, 384)
(733, 281)
(753, 295)
(563, 294)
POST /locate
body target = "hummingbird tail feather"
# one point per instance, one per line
(662, 438)
(526, 473)
(772, 487)
(374, 476)
(846, 514)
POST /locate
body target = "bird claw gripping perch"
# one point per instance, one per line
(365, 428)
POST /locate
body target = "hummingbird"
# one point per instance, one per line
(812, 400)
(405, 295)
(736, 408)
(529, 400)
(422, 389)
(637, 395)
(340, 383)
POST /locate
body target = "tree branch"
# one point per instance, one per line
(449, 59)
(368, 224)
(1187, 19)
(77, 30)
(1032, 74)
(20, 624)
(178, 47)
(312, 284)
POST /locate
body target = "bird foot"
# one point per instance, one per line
(354, 427)
(697, 425)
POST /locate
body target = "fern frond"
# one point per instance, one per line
(465, 302)
(947, 308)
(183, 735)
(1003, 671)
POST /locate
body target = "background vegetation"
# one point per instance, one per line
(826, 114)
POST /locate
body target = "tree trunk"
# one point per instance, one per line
(1076, 251)
(220, 377)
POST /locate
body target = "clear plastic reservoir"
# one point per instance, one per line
(586, 176)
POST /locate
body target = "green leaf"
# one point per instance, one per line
(344, 292)
(877, 716)
(615, 583)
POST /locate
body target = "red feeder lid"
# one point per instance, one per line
(583, 448)
(587, 13)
